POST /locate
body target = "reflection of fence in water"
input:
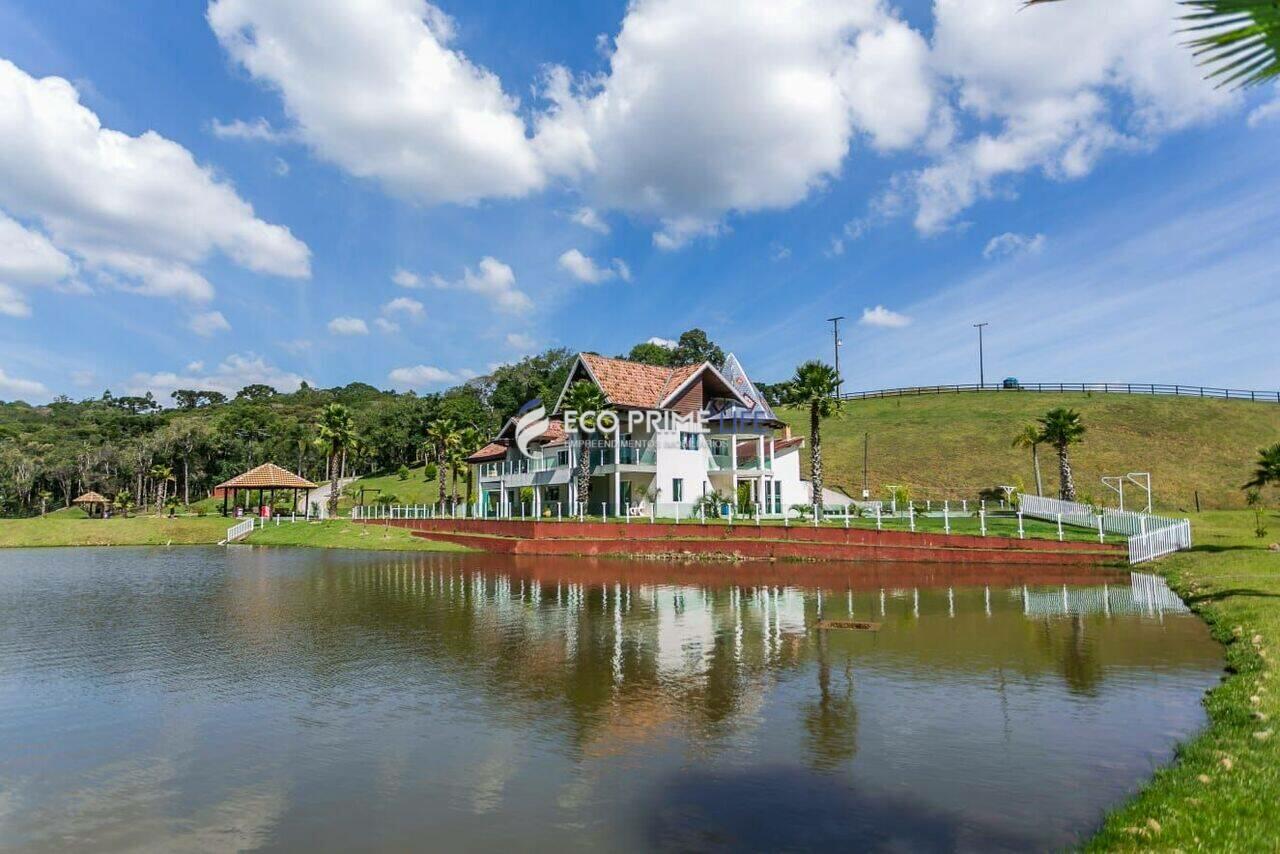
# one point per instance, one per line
(1146, 594)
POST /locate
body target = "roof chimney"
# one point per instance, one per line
(786, 432)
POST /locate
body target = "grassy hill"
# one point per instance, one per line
(956, 445)
(416, 490)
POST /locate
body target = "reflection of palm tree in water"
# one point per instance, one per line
(831, 724)
(1075, 654)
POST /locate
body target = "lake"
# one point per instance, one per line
(250, 698)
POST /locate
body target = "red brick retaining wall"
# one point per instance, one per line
(749, 541)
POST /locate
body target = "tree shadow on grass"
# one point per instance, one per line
(795, 809)
(1216, 549)
(1219, 595)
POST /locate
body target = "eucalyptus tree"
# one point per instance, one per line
(814, 386)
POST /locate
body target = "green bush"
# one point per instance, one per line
(403, 472)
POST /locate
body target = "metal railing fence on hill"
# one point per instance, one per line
(1149, 536)
(1149, 389)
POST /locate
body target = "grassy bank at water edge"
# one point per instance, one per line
(73, 528)
(345, 535)
(1221, 792)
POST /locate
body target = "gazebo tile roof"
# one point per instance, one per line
(267, 476)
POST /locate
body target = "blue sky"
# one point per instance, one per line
(214, 194)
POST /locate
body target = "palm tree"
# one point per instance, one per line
(1268, 471)
(1061, 428)
(582, 397)
(1030, 437)
(1240, 37)
(814, 385)
(161, 475)
(442, 437)
(336, 431)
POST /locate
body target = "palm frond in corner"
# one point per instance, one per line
(1238, 39)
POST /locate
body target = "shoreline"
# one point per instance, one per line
(1218, 792)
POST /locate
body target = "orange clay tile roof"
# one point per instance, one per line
(629, 383)
(91, 498)
(554, 434)
(491, 451)
(678, 378)
(267, 476)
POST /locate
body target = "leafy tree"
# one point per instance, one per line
(1240, 37)
(814, 386)
(256, 393)
(584, 396)
(161, 476)
(1031, 437)
(1061, 428)
(539, 376)
(45, 497)
(695, 347)
(648, 353)
(335, 434)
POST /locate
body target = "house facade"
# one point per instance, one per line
(680, 434)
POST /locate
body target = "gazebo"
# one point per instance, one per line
(266, 479)
(92, 504)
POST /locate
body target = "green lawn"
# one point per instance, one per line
(955, 445)
(73, 528)
(345, 535)
(1220, 794)
(415, 490)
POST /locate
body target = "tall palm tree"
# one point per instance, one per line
(335, 432)
(161, 476)
(1030, 437)
(442, 438)
(584, 396)
(1240, 37)
(1062, 428)
(814, 386)
(1268, 471)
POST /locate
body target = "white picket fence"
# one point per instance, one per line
(1149, 536)
(240, 529)
(1161, 541)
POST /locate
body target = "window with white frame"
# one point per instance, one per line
(688, 441)
(677, 489)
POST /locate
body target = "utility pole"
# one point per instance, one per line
(982, 373)
(835, 340)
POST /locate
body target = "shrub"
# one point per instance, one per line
(403, 472)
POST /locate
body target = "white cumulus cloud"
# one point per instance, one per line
(137, 211)
(374, 88)
(207, 324)
(883, 317)
(15, 388)
(420, 376)
(589, 218)
(403, 305)
(348, 326)
(27, 260)
(585, 269)
(493, 280)
(669, 343)
(1010, 243)
(406, 278)
(229, 376)
(385, 325)
(258, 130)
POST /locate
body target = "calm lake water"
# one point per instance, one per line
(219, 699)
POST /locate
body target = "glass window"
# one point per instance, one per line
(677, 489)
(562, 458)
(688, 441)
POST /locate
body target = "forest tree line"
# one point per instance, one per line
(133, 446)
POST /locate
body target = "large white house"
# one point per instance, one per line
(682, 433)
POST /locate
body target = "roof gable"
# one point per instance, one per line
(634, 385)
